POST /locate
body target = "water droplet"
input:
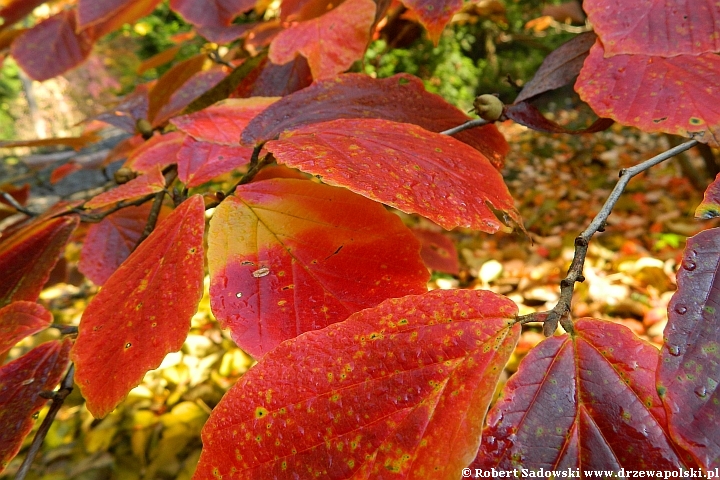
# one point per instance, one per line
(674, 350)
(689, 265)
(28, 381)
(261, 272)
(36, 415)
(701, 392)
(681, 309)
(238, 295)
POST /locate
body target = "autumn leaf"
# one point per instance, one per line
(434, 15)
(224, 122)
(586, 401)
(400, 98)
(21, 382)
(403, 166)
(130, 12)
(143, 311)
(171, 81)
(331, 42)
(158, 151)
(392, 390)
(129, 110)
(94, 11)
(211, 12)
(108, 243)
(674, 95)
(159, 59)
(63, 171)
(195, 87)
(28, 256)
(438, 251)
(52, 47)
(656, 27)
(200, 162)
(710, 206)
(270, 80)
(149, 183)
(285, 257)
(15, 10)
(75, 143)
(19, 320)
(689, 368)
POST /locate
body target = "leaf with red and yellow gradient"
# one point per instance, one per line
(200, 162)
(400, 389)
(195, 87)
(586, 401)
(403, 166)
(158, 151)
(690, 361)
(28, 256)
(400, 98)
(21, 383)
(172, 80)
(143, 312)
(108, 243)
(52, 47)
(331, 43)
(19, 320)
(223, 122)
(434, 14)
(656, 27)
(288, 256)
(674, 95)
(146, 184)
(211, 12)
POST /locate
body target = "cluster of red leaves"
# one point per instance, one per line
(352, 381)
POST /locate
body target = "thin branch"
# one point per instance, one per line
(65, 329)
(478, 122)
(255, 165)
(551, 318)
(170, 177)
(66, 387)
(11, 200)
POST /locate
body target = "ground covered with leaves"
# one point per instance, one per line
(559, 183)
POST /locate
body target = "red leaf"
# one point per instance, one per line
(128, 13)
(559, 68)
(223, 122)
(270, 80)
(143, 311)
(200, 83)
(74, 142)
(438, 251)
(159, 151)
(395, 390)
(299, 10)
(63, 171)
(151, 182)
(279, 171)
(52, 47)
(526, 114)
(211, 12)
(689, 369)
(434, 14)
(29, 255)
(674, 95)
(286, 258)
(656, 27)
(20, 194)
(90, 12)
(587, 402)
(21, 382)
(401, 98)
(172, 80)
(224, 33)
(132, 108)
(710, 206)
(19, 320)
(331, 42)
(109, 242)
(200, 162)
(15, 10)
(404, 166)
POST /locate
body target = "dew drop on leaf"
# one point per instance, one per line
(28, 381)
(674, 350)
(689, 265)
(681, 309)
(701, 392)
(238, 294)
(261, 272)
(36, 415)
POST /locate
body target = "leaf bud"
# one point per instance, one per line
(144, 128)
(488, 107)
(123, 175)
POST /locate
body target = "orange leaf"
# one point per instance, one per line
(172, 80)
(28, 256)
(143, 311)
(19, 320)
(285, 257)
(63, 171)
(75, 142)
(404, 166)
(200, 162)
(128, 13)
(395, 391)
(166, 56)
(151, 182)
(434, 14)
(198, 84)
(158, 151)
(21, 382)
(331, 42)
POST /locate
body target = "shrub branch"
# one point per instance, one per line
(560, 312)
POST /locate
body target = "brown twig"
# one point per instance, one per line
(16, 205)
(58, 397)
(170, 177)
(478, 122)
(560, 312)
